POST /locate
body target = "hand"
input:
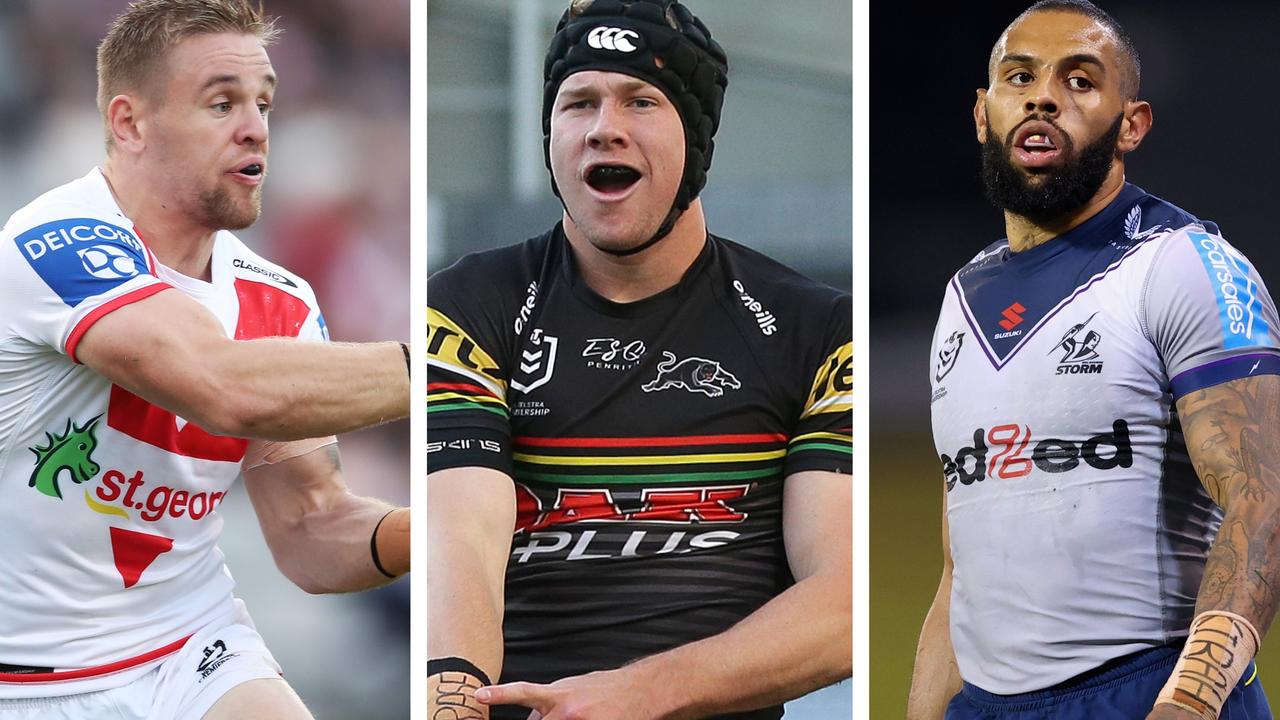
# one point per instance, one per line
(604, 695)
(1166, 711)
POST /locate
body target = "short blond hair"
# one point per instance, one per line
(139, 39)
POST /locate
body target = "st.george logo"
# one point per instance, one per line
(108, 262)
(616, 39)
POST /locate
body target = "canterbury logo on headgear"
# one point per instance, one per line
(611, 38)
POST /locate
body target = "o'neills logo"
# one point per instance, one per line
(765, 319)
(263, 271)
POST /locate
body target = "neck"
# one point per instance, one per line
(647, 273)
(1025, 234)
(176, 240)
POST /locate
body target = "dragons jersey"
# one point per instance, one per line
(108, 503)
(1079, 529)
(648, 441)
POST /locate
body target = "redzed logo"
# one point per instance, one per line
(1012, 316)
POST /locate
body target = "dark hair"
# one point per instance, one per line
(1132, 77)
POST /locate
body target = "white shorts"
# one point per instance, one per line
(183, 686)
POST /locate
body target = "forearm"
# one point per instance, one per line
(936, 677)
(329, 551)
(796, 643)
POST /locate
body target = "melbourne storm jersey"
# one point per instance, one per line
(108, 503)
(648, 441)
(1079, 529)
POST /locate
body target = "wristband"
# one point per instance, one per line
(1218, 651)
(436, 666)
(408, 366)
(373, 547)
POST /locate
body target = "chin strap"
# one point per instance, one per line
(663, 231)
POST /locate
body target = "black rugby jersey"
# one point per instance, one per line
(648, 441)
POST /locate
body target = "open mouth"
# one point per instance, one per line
(1037, 143)
(612, 178)
(252, 170)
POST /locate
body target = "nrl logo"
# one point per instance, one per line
(71, 451)
(694, 374)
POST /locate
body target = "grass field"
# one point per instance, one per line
(906, 557)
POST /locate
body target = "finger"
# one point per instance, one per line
(530, 695)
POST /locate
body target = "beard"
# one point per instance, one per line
(1060, 190)
(216, 209)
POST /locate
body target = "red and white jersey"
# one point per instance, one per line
(108, 504)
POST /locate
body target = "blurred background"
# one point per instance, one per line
(1202, 67)
(335, 211)
(779, 181)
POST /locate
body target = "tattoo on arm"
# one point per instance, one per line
(335, 458)
(452, 697)
(1231, 431)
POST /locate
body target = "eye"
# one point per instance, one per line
(644, 102)
(1077, 82)
(222, 107)
(264, 108)
(1021, 77)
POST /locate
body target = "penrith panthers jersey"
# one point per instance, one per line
(1079, 529)
(648, 441)
(108, 504)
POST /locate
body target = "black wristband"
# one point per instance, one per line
(373, 547)
(408, 366)
(436, 666)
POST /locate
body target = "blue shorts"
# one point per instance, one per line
(1125, 691)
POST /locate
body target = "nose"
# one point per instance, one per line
(608, 128)
(1043, 98)
(253, 127)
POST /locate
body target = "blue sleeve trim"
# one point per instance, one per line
(1225, 370)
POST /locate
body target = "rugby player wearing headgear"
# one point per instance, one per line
(662, 416)
(1104, 406)
(148, 358)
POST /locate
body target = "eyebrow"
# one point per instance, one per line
(217, 80)
(1075, 59)
(627, 85)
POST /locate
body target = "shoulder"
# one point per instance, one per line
(751, 278)
(78, 212)
(497, 276)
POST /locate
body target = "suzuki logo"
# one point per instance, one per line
(608, 38)
(1012, 316)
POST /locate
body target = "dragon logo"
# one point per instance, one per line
(694, 374)
(71, 451)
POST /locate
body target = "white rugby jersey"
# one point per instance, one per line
(1079, 529)
(108, 503)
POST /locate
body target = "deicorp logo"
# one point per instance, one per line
(82, 257)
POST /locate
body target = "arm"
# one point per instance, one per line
(794, 644)
(472, 515)
(171, 351)
(318, 532)
(936, 677)
(1230, 432)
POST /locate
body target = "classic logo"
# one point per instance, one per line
(694, 374)
(765, 319)
(72, 451)
(616, 39)
(1079, 350)
(948, 354)
(272, 274)
(107, 262)
(613, 354)
(537, 362)
(1052, 455)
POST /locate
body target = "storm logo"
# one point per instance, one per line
(694, 374)
(1079, 350)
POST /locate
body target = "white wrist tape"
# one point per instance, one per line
(1217, 653)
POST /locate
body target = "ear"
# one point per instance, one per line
(1135, 126)
(124, 123)
(980, 115)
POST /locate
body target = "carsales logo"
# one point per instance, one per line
(1010, 460)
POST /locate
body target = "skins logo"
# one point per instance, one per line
(1051, 455)
(537, 364)
(948, 354)
(694, 374)
(1079, 351)
(263, 271)
(72, 451)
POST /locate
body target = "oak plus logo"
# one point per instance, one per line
(1079, 348)
(615, 39)
(975, 463)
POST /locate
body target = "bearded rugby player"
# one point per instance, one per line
(661, 415)
(148, 358)
(1104, 406)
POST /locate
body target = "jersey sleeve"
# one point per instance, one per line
(1208, 313)
(823, 438)
(61, 271)
(467, 414)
